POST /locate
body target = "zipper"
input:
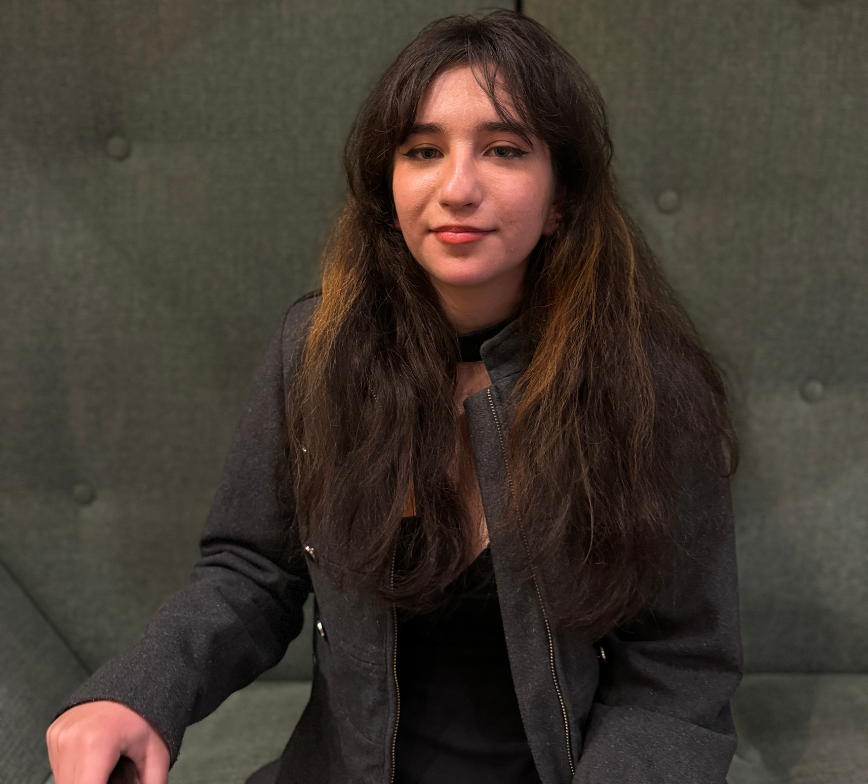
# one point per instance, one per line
(536, 587)
(394, 667)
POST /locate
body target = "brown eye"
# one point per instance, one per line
(421, 153)
(502, 151)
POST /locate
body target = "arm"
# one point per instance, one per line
(662, 708)
(243, 604)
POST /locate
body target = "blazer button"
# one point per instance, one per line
(320, 629)
(601, 653)
(311, 554)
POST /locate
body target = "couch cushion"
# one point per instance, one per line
(801, 729)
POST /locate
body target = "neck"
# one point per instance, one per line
(471, 308)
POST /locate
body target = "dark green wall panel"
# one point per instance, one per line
(740, 138)
(168, 172)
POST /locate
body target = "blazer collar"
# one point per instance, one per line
(508, 353)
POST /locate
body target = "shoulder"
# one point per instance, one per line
(296, 318)
(312, 294)
(297, 315)
(294, 324)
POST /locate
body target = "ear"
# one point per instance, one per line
(556, 211)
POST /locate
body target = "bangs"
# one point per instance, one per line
(494, 73)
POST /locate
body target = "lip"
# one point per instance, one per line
(455, 234)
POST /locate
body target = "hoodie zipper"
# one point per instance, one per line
(536, 587)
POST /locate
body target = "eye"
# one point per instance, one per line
(422, 153)
(503, 151)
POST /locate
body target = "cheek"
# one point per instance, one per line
(408, 195)
(527, 203)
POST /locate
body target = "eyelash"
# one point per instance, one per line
(515, 152)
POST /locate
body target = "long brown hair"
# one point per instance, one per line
(617, 387)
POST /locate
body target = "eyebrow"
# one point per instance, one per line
(488, 127)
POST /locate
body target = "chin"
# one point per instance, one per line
(464, 281)
(466, 275)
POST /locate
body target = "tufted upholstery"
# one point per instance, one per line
(167, 175)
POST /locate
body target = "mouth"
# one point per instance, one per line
(455, 234)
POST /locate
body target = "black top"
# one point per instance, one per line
(469, 343)
(459, 721)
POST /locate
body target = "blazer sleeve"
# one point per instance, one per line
(662, 710)
(243, 604)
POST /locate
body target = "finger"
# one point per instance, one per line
(91, 767)
(62, 765)
(78, 763)
(154, 768)
(51, 744)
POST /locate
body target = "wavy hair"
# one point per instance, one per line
(617, 391)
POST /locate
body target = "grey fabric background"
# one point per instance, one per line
(168, 173)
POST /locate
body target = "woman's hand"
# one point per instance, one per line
(86, 745)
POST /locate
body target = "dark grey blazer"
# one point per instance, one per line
(655, 710)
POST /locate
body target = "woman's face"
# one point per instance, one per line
(472, 198)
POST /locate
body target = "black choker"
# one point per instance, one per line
(469, 344)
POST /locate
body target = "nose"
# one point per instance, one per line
(460, 186)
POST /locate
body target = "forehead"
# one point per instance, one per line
(456, 94)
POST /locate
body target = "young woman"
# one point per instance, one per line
(491, 446)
